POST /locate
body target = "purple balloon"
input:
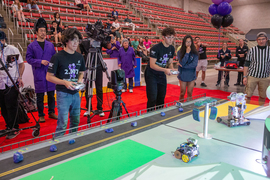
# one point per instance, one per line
(228, 1)
(230, 10)
(217, 2)
(223, 8)
(213, 9)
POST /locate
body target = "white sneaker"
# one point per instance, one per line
(86, 113)
(131, 90)
(123, 90)
(101, 114)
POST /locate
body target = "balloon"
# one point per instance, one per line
(213, 9)
(268, 92)
(227, 20)
(216, 20)
(230, 10)
(217, 2)
(223, 8)
(228, 1)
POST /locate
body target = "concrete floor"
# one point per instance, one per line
(211, 80)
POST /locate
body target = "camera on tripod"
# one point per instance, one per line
(117, 80)
(98, 33)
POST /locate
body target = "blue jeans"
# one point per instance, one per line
(67, 103)
(35, 6)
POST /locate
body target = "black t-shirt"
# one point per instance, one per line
(202, 52)
(42, 44)
(162, 54)
(58, 29)
(67, 67)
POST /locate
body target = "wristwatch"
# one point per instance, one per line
(244, 76)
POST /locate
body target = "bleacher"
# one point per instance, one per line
(156, 16)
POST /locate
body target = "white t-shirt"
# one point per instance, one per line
(13, 70)
(116, 25)
(15, 6)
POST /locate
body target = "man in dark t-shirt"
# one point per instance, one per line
(66, 69)
(202, 63)
(160, 65)
(241, 53)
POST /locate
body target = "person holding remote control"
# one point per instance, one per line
(160, 65)
(66, 70)
(188, 61)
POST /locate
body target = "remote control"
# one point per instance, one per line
(174, 72)
(79, 86)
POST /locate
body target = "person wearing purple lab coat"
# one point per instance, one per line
(127, 62)
(113, 48)
(38, 55)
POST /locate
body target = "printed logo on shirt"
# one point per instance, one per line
(72, 71)
(201, 50)
(79, 62)
(163, 61)
(153, 53)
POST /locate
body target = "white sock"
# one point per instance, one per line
(202, 81)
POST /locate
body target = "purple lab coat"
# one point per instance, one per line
(114, 53)
(34, 55)
(127, 61)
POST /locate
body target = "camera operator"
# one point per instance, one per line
(8, 93)
(84, 47)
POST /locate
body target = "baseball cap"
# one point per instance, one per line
(262, 34)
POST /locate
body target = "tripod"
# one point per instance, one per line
(117, 104)
(90, 76)
(35, 128)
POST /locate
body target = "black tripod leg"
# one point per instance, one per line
(125, 108)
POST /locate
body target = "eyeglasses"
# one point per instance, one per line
(76, 40)
(169, 37)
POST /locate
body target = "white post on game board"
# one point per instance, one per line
(205, 134)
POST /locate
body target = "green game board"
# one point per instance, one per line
(108, 163)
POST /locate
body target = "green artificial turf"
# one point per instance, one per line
(107, 163)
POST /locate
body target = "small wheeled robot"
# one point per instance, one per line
(235, 114)
(187, 150)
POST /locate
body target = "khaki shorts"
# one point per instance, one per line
(202, 65)
(252, 82)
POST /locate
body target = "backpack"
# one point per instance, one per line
(29, 99)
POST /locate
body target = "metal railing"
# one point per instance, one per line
(20, 47)
(12, 35)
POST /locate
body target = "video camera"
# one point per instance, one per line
(98, 33)
(117, 80)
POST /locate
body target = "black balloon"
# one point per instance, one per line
(227, 20)
(216, 20)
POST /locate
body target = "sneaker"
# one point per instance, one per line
(86, 113)
(13, 134)
(203, 84)
(237, 84)
(226, 84)
(53, 116)
(41, 119)
(123, 90)
(218, 84)
(101, 113)
(131, 90)
(3, 132)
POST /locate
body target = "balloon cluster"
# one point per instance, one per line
(221, 9)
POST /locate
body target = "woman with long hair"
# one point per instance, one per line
(57, 18)
(188, 60)
(141, 48)
(18, 10)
